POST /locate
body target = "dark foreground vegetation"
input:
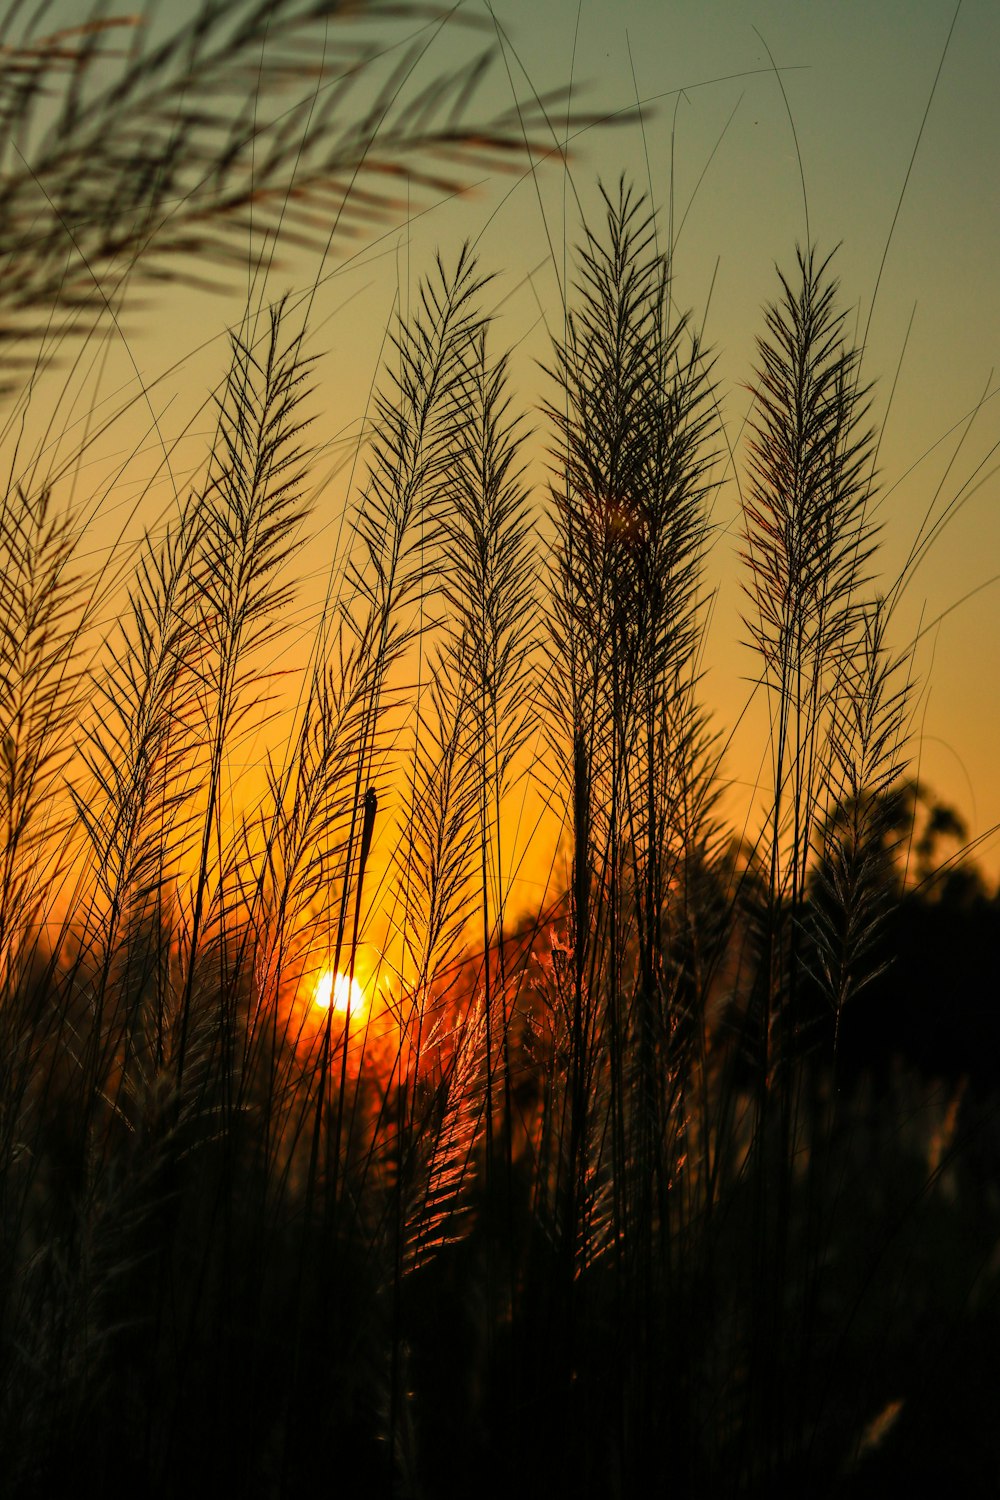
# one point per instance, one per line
(688, 1184)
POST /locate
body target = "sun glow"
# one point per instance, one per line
(340, 991)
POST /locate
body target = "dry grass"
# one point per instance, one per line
(576, 1205)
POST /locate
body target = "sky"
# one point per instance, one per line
(896, 115)
(753, 126)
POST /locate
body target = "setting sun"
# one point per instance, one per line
(341, 991)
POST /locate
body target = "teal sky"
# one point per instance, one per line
(716, 141)
(715, 149)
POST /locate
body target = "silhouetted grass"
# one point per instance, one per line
(603, 1201)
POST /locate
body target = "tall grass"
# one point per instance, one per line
(564, 1202)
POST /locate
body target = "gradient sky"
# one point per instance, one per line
(716, 142)
(858, 80)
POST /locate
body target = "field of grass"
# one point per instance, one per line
(684, 1183)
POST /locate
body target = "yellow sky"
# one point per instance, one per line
(716, 146)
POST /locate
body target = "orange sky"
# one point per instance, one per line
(716, 144)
